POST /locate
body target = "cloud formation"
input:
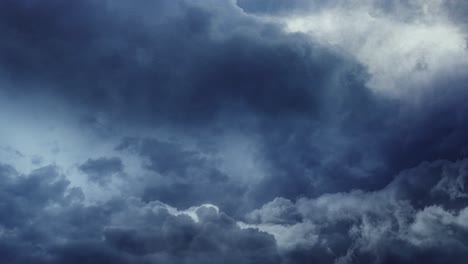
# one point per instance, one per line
(398, 41)
(412, 219)
(44, 221)
(101, 170)
(233, 131)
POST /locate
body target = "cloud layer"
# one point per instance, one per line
(233, 131)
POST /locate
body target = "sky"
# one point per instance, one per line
(234, 131)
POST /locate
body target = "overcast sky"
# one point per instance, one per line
(224, 131)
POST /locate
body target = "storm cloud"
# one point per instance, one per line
(101, 170)
(233, 131)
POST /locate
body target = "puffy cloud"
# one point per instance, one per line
(244, 131)
(398, 41)
(44, 221)
(278, 211)
(403, 222)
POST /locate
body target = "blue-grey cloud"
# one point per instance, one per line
(185, 176)
(101, 170)
(170, 94)
(44, 221)
(410, 220)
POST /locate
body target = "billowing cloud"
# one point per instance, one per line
(398, 41)
(410, 220)
(44, 221)
(233, 131)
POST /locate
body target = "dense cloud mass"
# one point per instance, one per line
(223, 131)
(100, 170)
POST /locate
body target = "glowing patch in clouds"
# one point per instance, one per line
(399, 54)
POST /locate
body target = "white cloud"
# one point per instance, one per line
(303, 234)
(404, 48)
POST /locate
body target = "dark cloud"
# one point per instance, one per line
(23, 197)
(43, 220)
(101, 170)
(348, 175)
(413, 219)
(176, 68)
(280, 6)
(165, 237)
(365, 145)
(457, 12)
(176, 171)
(194, 70)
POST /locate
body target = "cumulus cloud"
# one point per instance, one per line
(398, 41)
(233, 131)
(403, 222)
(42, 220)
